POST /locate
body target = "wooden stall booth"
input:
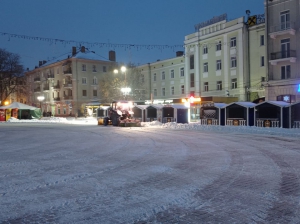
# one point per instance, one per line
(294, 116)
(273, 114)
(240, 114)
(139, 112)
(213, 113)
(154, 112)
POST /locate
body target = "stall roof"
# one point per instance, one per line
(295, 103)
(93, 104)
(220, 105)
(142, 107)
(179, 106)
(156, 106)
(276, 103)
(244, 104)
(18, 105)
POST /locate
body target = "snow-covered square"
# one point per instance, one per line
(75, 171)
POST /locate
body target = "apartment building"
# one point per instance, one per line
(216, 58)
(68, 83)
(165, 80)
(283, 23)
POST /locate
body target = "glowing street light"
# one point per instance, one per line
(41, 98)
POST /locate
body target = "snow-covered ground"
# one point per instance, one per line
(294, 132)
(75, 171)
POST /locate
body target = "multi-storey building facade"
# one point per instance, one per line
(166, 79)
(283, 23)
(68, 83)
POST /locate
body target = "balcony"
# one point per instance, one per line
(50, 76)
(36, 90)
(282, 29)
(56, 98)
(283, 56)
(46, 88)
(68, 97)
(56, 87)
(37, 79)
(68, 84)
(68, 72)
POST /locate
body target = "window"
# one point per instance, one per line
(94, 92)
(285, 48)
(205, 86)
(84, 80)
(163, 76)
(94, 81)
(233, 62)
(21, 100)
(285, 20)
(172, 90)
(233, 42)
(142, 78)
(65, 110)
(104, 68)
(182, 89)
(262, 61)
(83, 67)
(57, 71)
(219, 85)
(155, 92)
(218, 46)
(84, 92)
(192, 62)
(94, 68)
(172, 74)
(163, 91)
(233, 83)
(205, 67)
(205, 49)
(219, 65)
(154, 77)
(181, 72)
(262, 40)
(192, 80)
(285, 72)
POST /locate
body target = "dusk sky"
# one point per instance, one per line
(132, 22)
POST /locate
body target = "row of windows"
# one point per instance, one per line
(219, 85)
(84, 93)
(172, 74)
(205, 87)
(94, 81)
(94, 69)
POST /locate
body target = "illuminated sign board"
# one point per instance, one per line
(213, 20)
(191, 100)
(299, 88)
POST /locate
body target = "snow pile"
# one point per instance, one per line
(151, 124)
(294, 132)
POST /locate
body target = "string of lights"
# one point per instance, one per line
(112, 45)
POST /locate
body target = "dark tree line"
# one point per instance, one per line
(11, 75)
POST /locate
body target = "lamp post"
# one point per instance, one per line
(125, 90)
(41, 98)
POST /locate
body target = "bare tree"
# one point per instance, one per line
(11, 74)
(110, 87)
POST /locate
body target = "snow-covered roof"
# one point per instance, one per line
(276, 103)
(295, 103)
(179, 106)
(156, 106)
(87, 55)
(142, 107)
(220, 105)
(243, 104)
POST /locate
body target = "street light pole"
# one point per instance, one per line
(41, 98)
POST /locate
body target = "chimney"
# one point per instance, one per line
(82, 49)
(40, 63)
(73, 51)
(112, 55)
(179, 53)
(44, 62)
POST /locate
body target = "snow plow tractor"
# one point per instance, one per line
(118, 114)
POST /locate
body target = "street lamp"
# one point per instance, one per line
(126, 90)
(41, 98)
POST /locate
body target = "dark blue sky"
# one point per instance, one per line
(149, 22)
